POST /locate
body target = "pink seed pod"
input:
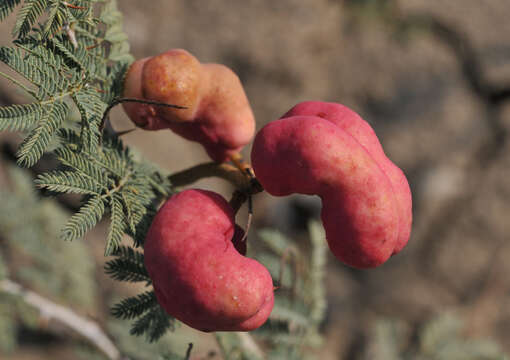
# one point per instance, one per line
(198, 275)
(217, 115)
(328, 150)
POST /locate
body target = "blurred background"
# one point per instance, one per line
(431, 77)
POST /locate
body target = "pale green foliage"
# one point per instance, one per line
(171, 346)
(8, 325)
(33, 233)
(127, 266)
(58, 12)
(440, 338)
(151, 320)
(30, 226)
(110, 178)
(20, 117)
(28, 15)
(6, 7)
(74, 62)
(69, 57)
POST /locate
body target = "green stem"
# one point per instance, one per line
(244, 181)
(211, 169)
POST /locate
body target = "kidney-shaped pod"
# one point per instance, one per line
(352, 123)
(311, 155)
(217, 115)
(198, 275)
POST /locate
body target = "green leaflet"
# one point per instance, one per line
(66, 181)
(38, 140)
(27, 16)
(127, 266)
(6, 7)
(117, 225)
(135, 306)
(20, 117)
(153, 324)
(84, 220)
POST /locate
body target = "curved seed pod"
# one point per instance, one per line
(198, 275)
(353, 124)
(311, 155)
(217, 115)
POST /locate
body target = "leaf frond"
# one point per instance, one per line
(27, 16)
(135, 306)
(34, 145)
(6, 7)
(20, 117)
(154, 324)
(128, 266)
(68, 182)
(117, 225)
(84, 220)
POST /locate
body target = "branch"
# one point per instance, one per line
(86, 328)
(211, 169)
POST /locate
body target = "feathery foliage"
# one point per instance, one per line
(151, 319)
(70, 60)
(127, 266)
(293, 327)
(77, 59)
(135, 306)
(32, 239)
(34, 236)
(111, 178)
(73, 62)
(6, 7)
(154, 323)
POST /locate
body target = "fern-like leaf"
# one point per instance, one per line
(34, 145)
(119, 46)
(128, 266)
(56, 18)
(27, 16)
(68, 182)
(20, 117)
(154, 324)
(81, 163)
(91, 108)
(84, 220)
(41, 66)
(6, 7)
(117, 225)
(135, 306)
